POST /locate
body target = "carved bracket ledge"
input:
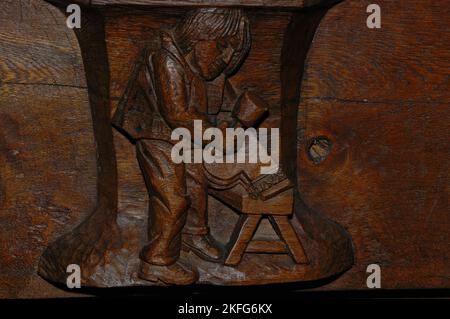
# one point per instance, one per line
(214, 224)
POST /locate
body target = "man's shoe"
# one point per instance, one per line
(175, 274)
(203, 246)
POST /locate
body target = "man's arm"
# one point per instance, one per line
(174, 98)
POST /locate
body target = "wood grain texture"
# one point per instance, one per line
(127, 31)
(382, 98)
(47, 151)
(266, 246)
(197, 3)
(242, 235)
(286, 232)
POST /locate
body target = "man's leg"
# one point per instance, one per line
(165, 182)
(197, 191)
(196, 235)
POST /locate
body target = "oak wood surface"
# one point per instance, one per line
(47, 151)
(215, 3)
(380, 96)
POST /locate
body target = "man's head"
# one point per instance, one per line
(218, 39)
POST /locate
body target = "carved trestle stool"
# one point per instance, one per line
(267, 196)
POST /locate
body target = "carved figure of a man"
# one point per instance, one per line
(209, 44)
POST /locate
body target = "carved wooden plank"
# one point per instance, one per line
(282, 204)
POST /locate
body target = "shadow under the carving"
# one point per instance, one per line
(268, 292)
(202, 290)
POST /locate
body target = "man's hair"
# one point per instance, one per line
(212, 24)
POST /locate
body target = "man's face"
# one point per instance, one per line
(213, 56)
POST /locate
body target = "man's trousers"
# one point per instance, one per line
(178, 201)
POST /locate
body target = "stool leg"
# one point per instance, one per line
(286, 232)
(242, 234)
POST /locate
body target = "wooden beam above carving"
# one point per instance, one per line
(205, 3)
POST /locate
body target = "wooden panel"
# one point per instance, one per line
(382, 98)
(47, 151)
(406, 60)
(216, 3)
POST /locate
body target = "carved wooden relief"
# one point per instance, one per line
(226, 142)
(220, 223)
